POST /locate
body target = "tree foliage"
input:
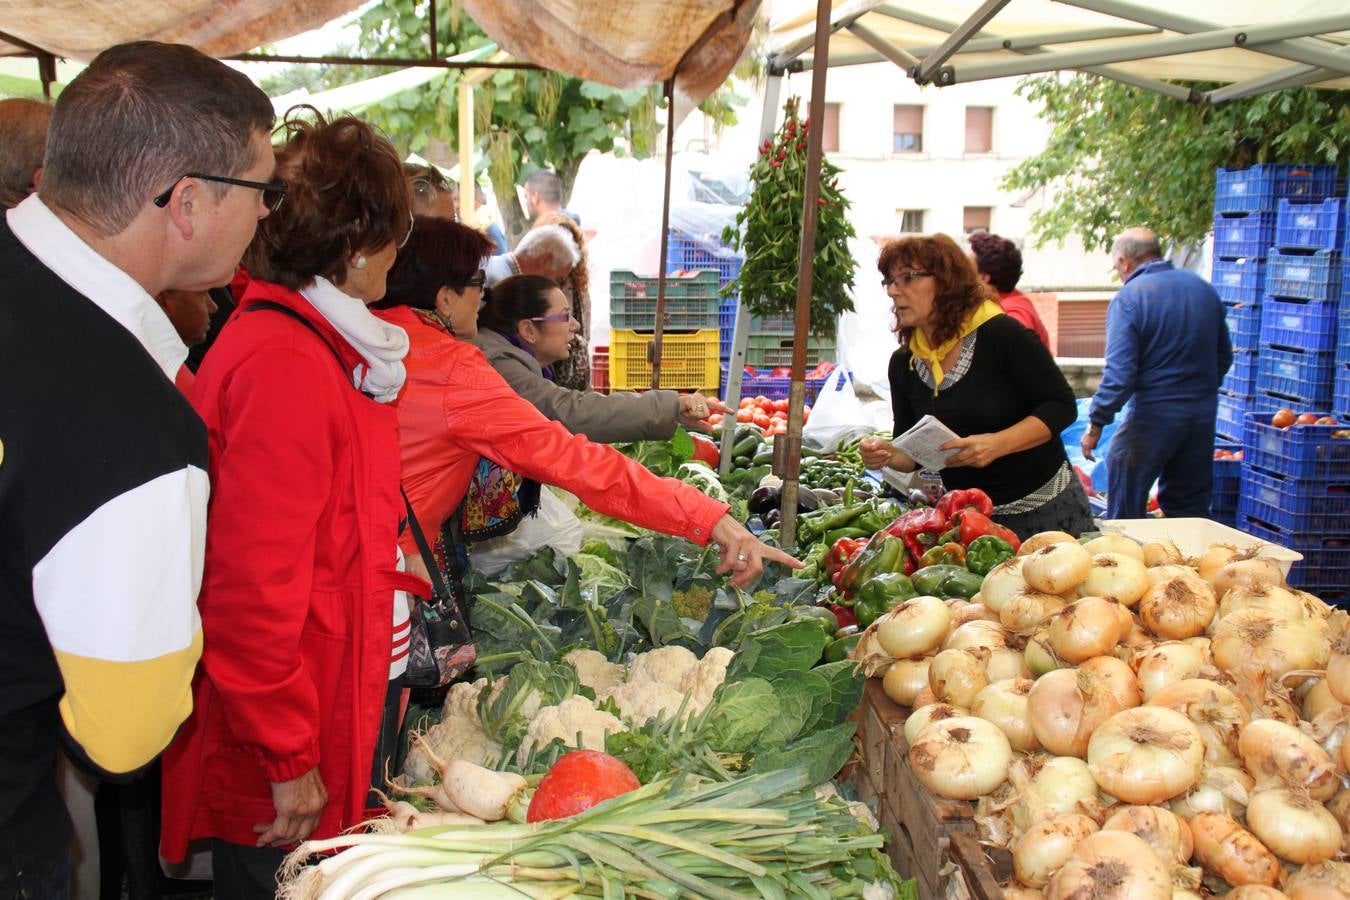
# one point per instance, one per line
(1120, 156)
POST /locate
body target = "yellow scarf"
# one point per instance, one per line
(918, 342)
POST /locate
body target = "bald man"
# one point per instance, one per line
(1167, 347)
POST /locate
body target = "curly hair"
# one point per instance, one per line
(580, 279)
(998, 258)
(959, 290)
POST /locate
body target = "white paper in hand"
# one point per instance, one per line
(921, 443)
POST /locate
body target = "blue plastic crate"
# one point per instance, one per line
(1299, 325)
(726, 318)
(1297, 504)
(1310, 226)
(1258, 188)
(778, 388)
(1244, 325)
(1243, 235)
(1241, 377)
(1227, 485)
(695, 252)
(1231, 416)
(1325, 567)
(1304, 378)
(1299, 451)
(1308, 276)
(1239, 280)
(1340, 392)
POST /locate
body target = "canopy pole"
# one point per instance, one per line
(806, 258)
(654, 353)
(957, 39)
(1296, 75)
(466, 179)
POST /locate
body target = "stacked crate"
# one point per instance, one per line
(1340, 388)
(689, 341)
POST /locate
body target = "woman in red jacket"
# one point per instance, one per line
(456, 409)
(304, 623)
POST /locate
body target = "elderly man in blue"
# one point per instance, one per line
(1167, 346)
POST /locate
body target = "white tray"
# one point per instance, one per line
(1194, 536)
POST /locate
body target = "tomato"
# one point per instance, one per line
(780, 406)
(781, 372)
(761, 400)
(1283, 418)
(746, 403)
(744, 414)
(1306, 419)
(1223, 454)
(1327, 420)
(1237, 455)
(778, 416)
(761, 420)
(715, 419)
(705, 450)
(579, 780)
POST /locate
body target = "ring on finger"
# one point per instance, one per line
(741, 557)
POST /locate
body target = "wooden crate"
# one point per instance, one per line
(984, 868)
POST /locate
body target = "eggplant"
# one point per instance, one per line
(764, 499)
(772, 518)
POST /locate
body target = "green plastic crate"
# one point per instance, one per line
(692, 301)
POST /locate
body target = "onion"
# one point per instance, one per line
(956, 676)
(1214, 710)
(1116, 576)
(1255, 892)
(1274, 753)
(1002, 581)
(1162, 553)
(1166, 664)
(960, 758)
(1146, 755)
(1294, 826)
(1231, 852)
(925, 697)
(972, 612)
(1116, 543)
(1179, 607)
(1066, 706)
(923, 716)
(1324, 881)
(1253, 639)
(1005, 704)
(1214, 559)
(1111, 865)
(1314, 607)
(1320, 699)
(904, 679)
(1039, 656)
(1247, 568)
(1161, 829)
(979, 633)
(1162, 573)
(1117, 677)
(1204, 644)
(1338, 668)
(1048, 786)
(914, 628)
(1057, 569)
(1005, 663)
(869, 655)
(1047, 845)
(1028, 610)
(1221, 789)
(1269, 597)
(1043, 539)
(1087, 628)
(1339, 806)
(1017, 892)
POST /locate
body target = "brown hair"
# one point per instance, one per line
(440, 253)
(580, 279)
(23, 139)
(140, 117)
(346, 194)
(959, 290)
(998, 258)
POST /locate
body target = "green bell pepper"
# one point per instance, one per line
(882, 554)
(839, 649)
(984, 553)
(880, 594)
(947, 581)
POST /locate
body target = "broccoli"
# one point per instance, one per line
(694, 603)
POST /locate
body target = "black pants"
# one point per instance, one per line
(128, 837)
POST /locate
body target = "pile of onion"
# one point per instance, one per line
(960, 758)
(1111, 865)
(1146, 755)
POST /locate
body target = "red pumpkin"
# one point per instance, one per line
(578, 781)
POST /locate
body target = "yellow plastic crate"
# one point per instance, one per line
(688, 361)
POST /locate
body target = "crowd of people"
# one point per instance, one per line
(210, 564)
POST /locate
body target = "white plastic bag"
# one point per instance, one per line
(553, 525)
(837, 416)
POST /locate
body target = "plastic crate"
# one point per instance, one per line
(1243, 235)
(778, 388)
(600, 370)
(1230, 417)
(1244, 324)
(773, 351)
(1305, 378)
(688, 361)
(1241, 377)
(1299, 451)
(690, 252)
(1258, 188)
(1239, 280)
(1340, 392)
(1297, 504)
(1308, 276)
(1310, 226)
(692, 301)
(1325, 567)
(1299, 325)
(1227, 485)
(726, 326)
(1343, 335)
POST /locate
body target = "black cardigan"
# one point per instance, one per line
(1011, 376)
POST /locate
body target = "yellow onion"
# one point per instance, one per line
(1226, 849)
(1180, 607)
(1005, 704)
(904, 679)
(1255, 892)
(1253, 639)
(1066, 706)
(1166, 664)
(1048, 786)
(956, 676)
(1270, 597)
(1111, 865)
(1338, 668)
(1118, 677)
(1115, 576)
(1002, 581)
(1162, 553)
(1339, 806)
(1039, 656)
(1215, 711)
(1047, 845)
(1215, 557)
(1084, 629)
(1276, 753)
(970, 612)
(916, 627)
(979, 633)
(1146, 755)
(1018, 892)
(869, 655)
(1044, 539)
(1116, 543)
(1057, 569)
(925, 697)
(1028, 610)
(1247, 568)
(1162, 573)
(1324, 881)
(1163, 830)
(1005, 663)
(1293, 826)
(923, 716)
(1314, 607)
(1320, 699)
(960, 758)
(1221, 789)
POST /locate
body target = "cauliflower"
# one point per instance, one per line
(564, 721)
(664, 665)
(702, 679)
(462, 701)
(594, 671)
(878, 890)
(456, 737)
(640, 701)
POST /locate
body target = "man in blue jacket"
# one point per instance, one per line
(1167, 346)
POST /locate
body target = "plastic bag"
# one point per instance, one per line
(838, 415)
(553, 525)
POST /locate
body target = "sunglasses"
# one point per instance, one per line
(556, 317)
(274, 192)
(905, 278)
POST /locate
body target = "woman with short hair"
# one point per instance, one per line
(1000, 266)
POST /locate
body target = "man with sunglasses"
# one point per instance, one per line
(158, 167)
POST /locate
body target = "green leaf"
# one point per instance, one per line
(845, 690)
(740, 712)
(793, 646)
(801, 698)
(822, 754)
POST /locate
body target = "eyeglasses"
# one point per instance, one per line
(274, 192)
(412, 223)
(556, 317)
(905, 278)
(477, 279)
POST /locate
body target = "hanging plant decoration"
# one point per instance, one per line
(769, 229)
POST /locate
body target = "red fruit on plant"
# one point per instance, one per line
(706, 451)
(578, 781)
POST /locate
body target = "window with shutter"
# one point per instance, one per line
(829, 136)
(907, 130)
(979, 129)
(911, 220)
(976, 218)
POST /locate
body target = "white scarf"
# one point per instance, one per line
(380, 344)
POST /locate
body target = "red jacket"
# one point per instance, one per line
(455, 408)
(297, 596)
(1019, 308)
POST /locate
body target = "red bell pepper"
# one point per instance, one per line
(974, 524)
(953, 502)
(843, 615)
(843, 550)
(920, 529)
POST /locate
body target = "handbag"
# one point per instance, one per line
(440, 645)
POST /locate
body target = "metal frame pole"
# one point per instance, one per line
(654, 352)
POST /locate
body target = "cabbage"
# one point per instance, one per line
(705, 479)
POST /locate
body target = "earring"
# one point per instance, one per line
(360, 262)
